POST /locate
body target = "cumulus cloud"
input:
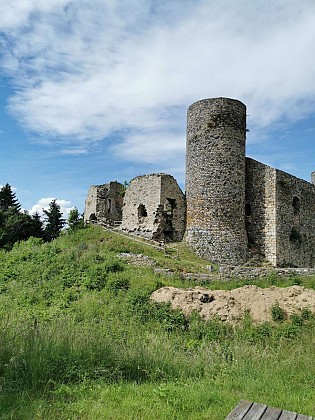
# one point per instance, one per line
(127, 70)
(163, 145)
(43, 204)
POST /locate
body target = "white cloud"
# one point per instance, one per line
(74, 151)
(164, 146)
(87, 70)
(43, 204)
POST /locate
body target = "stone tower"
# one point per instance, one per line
(215, 180)
(313, 177)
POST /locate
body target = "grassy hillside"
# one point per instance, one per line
(81, 340)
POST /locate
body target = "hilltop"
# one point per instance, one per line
(81, 339)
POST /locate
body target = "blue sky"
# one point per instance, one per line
(94, 91)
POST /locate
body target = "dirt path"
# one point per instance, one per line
(231, 305)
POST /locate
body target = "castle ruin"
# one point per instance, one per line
(104, 202)
(236, 208)
(154, 206)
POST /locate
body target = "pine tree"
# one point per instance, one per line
(8, 199)
(15, 225)
(54, 221)
(37, 226)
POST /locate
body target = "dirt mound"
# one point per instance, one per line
(231, 305)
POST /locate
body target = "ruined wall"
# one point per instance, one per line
(154, 207)
(104, 202)
(237, 208)
(295, 206)
(280, 216)
(260, 211)
(215, 180)
(173, 206)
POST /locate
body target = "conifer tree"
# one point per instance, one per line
(54, 221)
(8, 199)
(15, 225)
(37, 226)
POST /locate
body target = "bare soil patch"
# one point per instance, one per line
(230, 305)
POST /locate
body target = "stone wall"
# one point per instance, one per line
(280, 216)
(104, 202)
(238, 209)
(154, 207)
(295, 207)
(260, 211)
(260, 272)
(215, 180)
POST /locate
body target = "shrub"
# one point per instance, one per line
(296, 281)
(296, 319)
(171, 319)
(139, 304)
(273, 278)
(263, 331)
(306, 314)
(115, 284)
(278, 314)
(113, 265)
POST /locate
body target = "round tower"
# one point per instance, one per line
(313, 177)
(215, 180)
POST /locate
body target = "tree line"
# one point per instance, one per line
(17, 225)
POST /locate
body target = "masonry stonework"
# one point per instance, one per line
(260, 211)
(215, 180)
(154, 207)
(295, 224)
(104, 202)
(236, 210)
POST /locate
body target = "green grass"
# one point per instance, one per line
(80, 339)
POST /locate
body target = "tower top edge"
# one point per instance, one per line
(221, 99)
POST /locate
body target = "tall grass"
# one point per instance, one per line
(80, 339)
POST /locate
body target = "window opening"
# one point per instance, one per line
(109, 205)
(296, 204)
(169, 206)
(142, 212)
(248, 209)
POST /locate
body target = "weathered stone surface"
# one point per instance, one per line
(238, 210)
(295, 227)
(215, 180)
(139, 260)
(104, 202)
(154, 207)
(260, 272)
(280, 216)
(260, 210)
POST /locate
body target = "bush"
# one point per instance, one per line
(278, 314)
(171, 319)
(263, 331)
(296, 281)
(113, 265)
(140, 305)
(306, 314)
(115, 284)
